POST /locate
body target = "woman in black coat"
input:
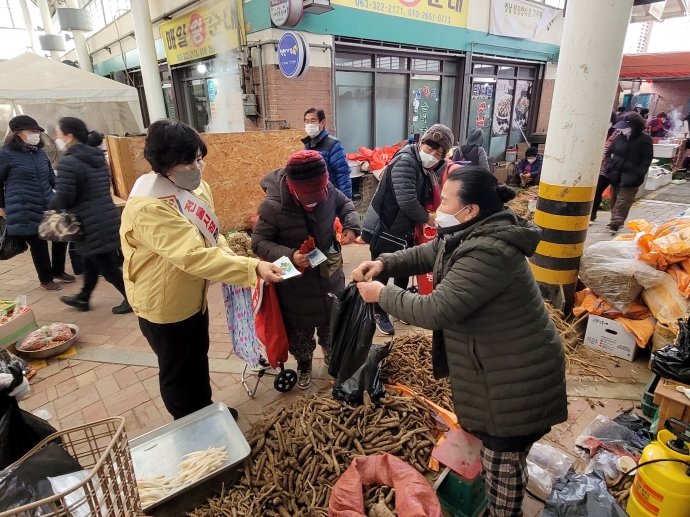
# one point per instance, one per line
(83, 189)
(627, 162)
(26, 189)
(301, 203)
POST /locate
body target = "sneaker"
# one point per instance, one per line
(304, 372)
(326, 355)
(66, 278)
(51, 286)
(383, 323)
(613, 228)
(75, 301)
(123, 308)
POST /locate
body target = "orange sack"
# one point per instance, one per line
(414, 496)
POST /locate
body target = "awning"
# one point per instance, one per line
(669, 65)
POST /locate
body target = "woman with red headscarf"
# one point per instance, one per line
(301, 205)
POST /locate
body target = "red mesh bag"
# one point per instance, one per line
(60, 332)
(414, 496)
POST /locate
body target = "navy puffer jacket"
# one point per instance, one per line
(26, 187)
(334, 155)
(83, 189)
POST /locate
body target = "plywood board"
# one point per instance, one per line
(235, 164)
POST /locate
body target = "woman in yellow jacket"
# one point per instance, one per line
(173, 249)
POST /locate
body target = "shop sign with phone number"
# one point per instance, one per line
(202, 33)
(443, 12)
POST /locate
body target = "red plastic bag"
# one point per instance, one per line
(414, 496)
(268, 320)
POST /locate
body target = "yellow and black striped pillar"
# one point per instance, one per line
(563, 214)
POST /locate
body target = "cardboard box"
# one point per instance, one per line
(17, 328)
(610, 336)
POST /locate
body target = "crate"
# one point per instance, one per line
(110, 490)
(658, 180)
(460, 497)
(648, 406)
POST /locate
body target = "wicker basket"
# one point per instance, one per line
(110, 490)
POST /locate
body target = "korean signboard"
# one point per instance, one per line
(293, 55)
(443, 12)
(210, 29)
(425, 93)
(519, 19)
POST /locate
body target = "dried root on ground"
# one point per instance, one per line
(240, 243)
(409, 364)
(519, 205)
(300, 451)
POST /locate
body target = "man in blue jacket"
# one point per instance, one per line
(330, 148)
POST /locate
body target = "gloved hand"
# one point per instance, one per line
(22, 391)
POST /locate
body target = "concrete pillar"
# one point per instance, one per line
(141, 15)
(48, 25)
(588, 68)
(28, 24)
(83, 55)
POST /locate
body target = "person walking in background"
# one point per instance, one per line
(330, 149)
(26, 190)
(83, 189)
(656, 126)
(399, 204)
(171, 256)
(492, 334)
(301, 203)
(473, 151)
(603, 182)
(627, 162)
(528, 172)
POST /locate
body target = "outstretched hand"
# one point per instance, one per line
(269, 272)
(367, 271)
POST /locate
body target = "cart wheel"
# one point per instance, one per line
(285, 381)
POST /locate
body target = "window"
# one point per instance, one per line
(352, 60)
(447, 101)
(6, 18)
(450, 67)
(103, 12)
(391, 95)
(506, 71)
(394, 63)
(527, 72)
(426, 65)
(483, 69)
(354, 104)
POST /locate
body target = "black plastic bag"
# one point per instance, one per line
(28, 482)
(10, 246)
(576, 494)
(673, 361)
(352, 331)
(20, 431)
(366, 378)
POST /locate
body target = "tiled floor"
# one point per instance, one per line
(114, 370)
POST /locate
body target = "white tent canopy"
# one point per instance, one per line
(48, 90)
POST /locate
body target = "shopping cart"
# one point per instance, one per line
(242, 307)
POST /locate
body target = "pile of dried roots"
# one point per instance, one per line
(409, 364)
(519, 205)
(240, 243)
(300, 451)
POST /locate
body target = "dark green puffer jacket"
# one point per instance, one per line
(504, 357)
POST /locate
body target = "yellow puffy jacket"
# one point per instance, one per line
(168, 262)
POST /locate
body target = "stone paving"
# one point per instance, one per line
(114, 370)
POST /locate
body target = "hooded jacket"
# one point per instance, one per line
(26, 187)
(628, 159)
(168, 262)
(282, 228)
(492, 333)
(83, 188)
(473, 151)
(334, 155)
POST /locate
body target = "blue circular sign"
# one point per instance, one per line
(293, 55)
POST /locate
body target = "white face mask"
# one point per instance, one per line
(626, 131)
(531, 160)
(313, 130)
(428, 160)
(60, 143)
(33, 138)
(444, 220)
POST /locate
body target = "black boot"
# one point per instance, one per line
(304, 371)
(123, 308)
(76, 301)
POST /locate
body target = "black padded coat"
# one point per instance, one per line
(83, 188)
(502, 352)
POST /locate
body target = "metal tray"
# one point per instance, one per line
(51, 352)
(161, 450)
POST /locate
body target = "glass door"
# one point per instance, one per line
(481, 108)
(425, 92)
(198, 104)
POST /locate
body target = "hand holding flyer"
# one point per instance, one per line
(286, 265)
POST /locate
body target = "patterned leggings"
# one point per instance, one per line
(505, 476)
(301, 342)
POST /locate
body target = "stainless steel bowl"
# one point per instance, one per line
(51, 352)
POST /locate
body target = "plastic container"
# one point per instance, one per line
(460, 497)
(355, 168)
(110, 489)
(649, 408)
(511, 155)
(664, 150)
(659, 179)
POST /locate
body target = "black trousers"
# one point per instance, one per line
(182, 351)
(602, 184)
(106, 264)
(47, 270)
